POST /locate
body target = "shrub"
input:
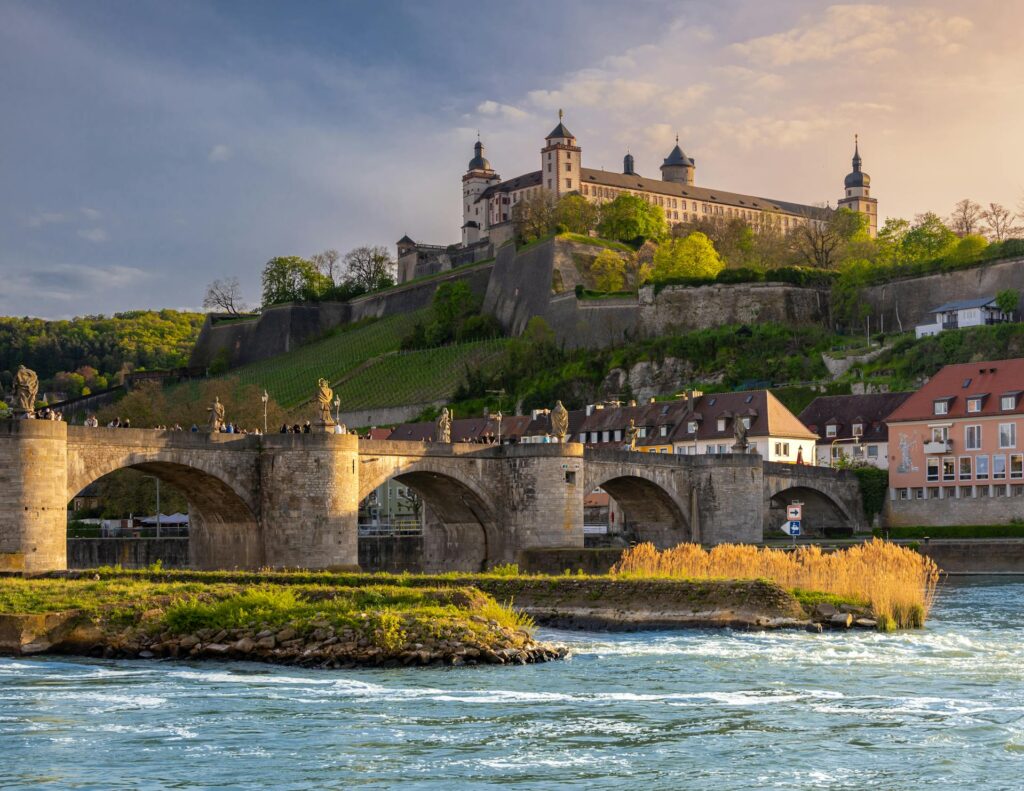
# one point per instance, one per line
(740, 275)
(899, 584)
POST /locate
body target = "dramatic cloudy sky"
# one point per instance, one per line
(148, 147)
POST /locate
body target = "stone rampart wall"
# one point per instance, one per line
(988, 556)
(908, 301)
(684, 308)
(281, 328)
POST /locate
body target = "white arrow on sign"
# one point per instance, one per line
(791, 528)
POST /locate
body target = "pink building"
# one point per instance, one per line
(956, 447)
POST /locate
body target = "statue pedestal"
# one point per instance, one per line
(321, 427)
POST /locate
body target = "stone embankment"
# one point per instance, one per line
(323, 646)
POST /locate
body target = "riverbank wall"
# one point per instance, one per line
(128, 553)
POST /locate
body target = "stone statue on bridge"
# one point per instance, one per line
(444, 426)
(324, 394)
(26, 388)
(632, 433)
(216, 420)
(739, 433)
(560, 421)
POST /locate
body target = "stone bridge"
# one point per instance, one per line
(292, 500)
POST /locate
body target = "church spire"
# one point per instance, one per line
(856, 154)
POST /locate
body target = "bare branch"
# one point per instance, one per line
(225, 295)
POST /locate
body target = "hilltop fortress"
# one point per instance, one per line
(549, 278)
(488, 201)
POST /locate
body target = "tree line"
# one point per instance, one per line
(327, 275)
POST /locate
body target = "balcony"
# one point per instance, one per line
(938, 446)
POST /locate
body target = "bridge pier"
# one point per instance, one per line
(33, 508)
(309, 500)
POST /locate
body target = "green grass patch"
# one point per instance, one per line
(595, 241)
(416, 377)
(951, 531)
(808, 599)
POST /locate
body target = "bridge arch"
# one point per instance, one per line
(821, 511)
(224, 530)
(461, 530)
(651, 511)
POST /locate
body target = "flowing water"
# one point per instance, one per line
(939, 708)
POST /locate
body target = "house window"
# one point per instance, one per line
(933, 470)
(664, 431)
(568, 183)
(830, 431)
(972, 437)
(1007, 402)
(605, 436)
(999, 467)
(965, 468)
(746, 422)
(858, 429)
(981, 468)
(642, 431)
(593, 436)
(691, 427)
(618, 435)
(940, 433)
(1007, 435)
(583, 436)
(721, 424)
(1017, 465)
(872, 451)
(973, 404)
(941, 407)
(948, 469)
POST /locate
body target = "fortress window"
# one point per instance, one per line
(568, 184)
(568, 167)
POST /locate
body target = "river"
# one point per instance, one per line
(938, 708)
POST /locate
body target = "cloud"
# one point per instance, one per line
(219, 153)
(870, 32)
(90, 214)
(71, 282)
(94, 235)
(491, 108)
(46, 218)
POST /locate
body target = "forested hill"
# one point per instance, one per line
(89, 351)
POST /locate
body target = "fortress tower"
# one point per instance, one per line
(858, 192)
(678, 167)
(478, 177)
(561, 161)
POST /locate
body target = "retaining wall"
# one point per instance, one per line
(129, 553)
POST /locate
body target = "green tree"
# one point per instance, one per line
(823, 243)
(927, 239)
(967, 250)
(369, 268)
(1007, 300)
(692, 256)
(849, 307)
(608, 271)
(632, 219)
(534, 216)
(453, 303)
(575, 214)
(291, 279)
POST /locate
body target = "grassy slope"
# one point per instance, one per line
(415, 377)
(289, 378)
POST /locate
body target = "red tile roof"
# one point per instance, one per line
(958, 383)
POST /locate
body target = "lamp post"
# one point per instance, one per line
(265, 398)
(337, 409)
(497, 419)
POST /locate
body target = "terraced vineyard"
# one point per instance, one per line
(417, 377)
(291, 378)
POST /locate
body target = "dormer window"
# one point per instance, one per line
(746, 422)
(830, 431)
(721, 424)
(691, 427)
(1008, 402)
(858, 429)
(664, 431)
(941, 407)
(973, 404)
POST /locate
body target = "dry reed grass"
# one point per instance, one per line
(899, 583)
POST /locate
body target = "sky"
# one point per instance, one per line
(147, 148)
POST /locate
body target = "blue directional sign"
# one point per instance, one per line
(791, 528)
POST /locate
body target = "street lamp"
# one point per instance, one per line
(265, 398)
(337, 409)
(497, 419)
